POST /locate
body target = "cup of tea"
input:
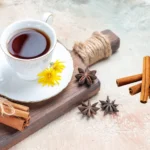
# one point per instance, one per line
(28, 46)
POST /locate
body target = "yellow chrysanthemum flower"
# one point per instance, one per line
(58, 66)
(49, 77)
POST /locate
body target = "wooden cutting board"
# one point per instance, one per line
(43, 113)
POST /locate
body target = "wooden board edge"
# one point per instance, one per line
(93, 90)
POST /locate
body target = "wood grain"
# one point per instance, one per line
(43, 113)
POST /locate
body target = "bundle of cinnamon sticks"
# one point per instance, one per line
(144, 86)
(20, 117)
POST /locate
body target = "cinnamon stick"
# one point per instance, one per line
(14, 122)
(135, 89)
(129, 79)
(147, 77)
(27, 122)
(19, 119)
(18, 113)
(145, 80)
(18, 106)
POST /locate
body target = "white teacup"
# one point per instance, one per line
(28, 68)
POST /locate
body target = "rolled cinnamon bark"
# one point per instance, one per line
(17, 113)
(129, 79)
(135, 89)
(18, 106)
(14, 122)
(27, 122)
(145, 80)
(19, 119)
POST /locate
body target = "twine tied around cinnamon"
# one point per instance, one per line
(4, 102)
(95, 48)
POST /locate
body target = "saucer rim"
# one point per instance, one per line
(48, 98)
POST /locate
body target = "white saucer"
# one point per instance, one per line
(21, 90)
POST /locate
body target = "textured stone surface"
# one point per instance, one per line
(76, 20)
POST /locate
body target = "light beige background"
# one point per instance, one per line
(76, 20)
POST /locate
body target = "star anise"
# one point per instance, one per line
(86, 76)
(109, 107)
(88, 109)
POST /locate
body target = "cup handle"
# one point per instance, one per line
(47, 17)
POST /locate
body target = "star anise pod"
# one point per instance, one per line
(109, 107)
(88, 109)
(85, 76)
